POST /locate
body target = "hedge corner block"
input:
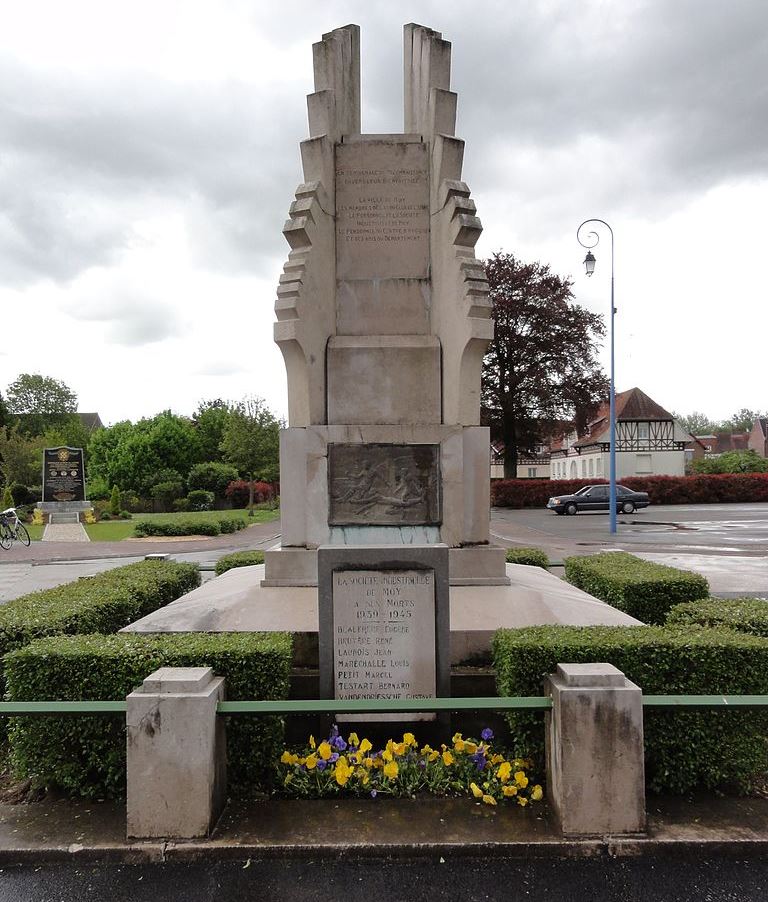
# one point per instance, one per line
(594, 750)
(176, 749)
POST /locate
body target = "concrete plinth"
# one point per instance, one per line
(595, 765)
(176, 754)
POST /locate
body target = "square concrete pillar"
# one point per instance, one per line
(594, 745)
(176, 754)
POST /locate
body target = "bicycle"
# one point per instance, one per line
(11, 528)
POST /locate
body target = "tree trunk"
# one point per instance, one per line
(509, 437)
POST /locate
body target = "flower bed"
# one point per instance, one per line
(338, 766)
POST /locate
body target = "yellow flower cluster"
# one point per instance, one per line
(402, 768)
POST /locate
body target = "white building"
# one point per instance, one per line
(649, 442)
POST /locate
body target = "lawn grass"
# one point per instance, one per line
(117, 530)
(35, 532)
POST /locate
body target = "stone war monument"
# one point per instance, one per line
(383, 318)
(385, 573)
(64, 494)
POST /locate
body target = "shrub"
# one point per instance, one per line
(724, 488)
(212, 477)
(105, 515)
(181, 505)
(238, 559)
(7, 499)
(190, 526)
(85, 756)
(114, 502)
(165, 492)
(200, 500)
(683, 749)
(747, 615)
(238, 493)
(103, 603)
(533, 557)
(126, 515)
(642, 589)
(19, 493)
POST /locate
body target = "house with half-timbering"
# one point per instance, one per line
(649, 442)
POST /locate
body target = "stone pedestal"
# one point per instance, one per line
(176, 754)
(594, 745)
(64, 511)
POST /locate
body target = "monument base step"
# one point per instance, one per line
(476, 565)
(237, 601)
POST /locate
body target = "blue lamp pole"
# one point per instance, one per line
(589, 262)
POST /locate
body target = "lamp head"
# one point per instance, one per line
(589, 263)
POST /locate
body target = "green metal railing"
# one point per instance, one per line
(383, 706)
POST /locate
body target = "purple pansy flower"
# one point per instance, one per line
(321, 765)
(487, 734)
(373, 793)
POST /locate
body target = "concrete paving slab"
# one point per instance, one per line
(65, 532)
(727, 575)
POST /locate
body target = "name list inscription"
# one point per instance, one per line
(384, 636)
(382, 211)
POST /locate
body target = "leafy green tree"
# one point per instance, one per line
(252, 442)
(20, 457)
(743, 420)
(732, 462)
(210, 422)
(5, 414)
(7, 500)
(696, 422)
(541, 367)
(40, 402)
(114, 501)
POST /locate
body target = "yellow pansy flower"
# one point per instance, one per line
(537, 793)
(522, 801)
(497, 759)
(288, 758)
(311, 762)
(447, 759)
(353, 740)
(368, 762)
(391, 770)
(521, 779)
(433, 756)
(470, 748)
(489, 800)
(476, 791)
(400, 749)
(509, 791)
(387, 755)
(365, 746)
(324, 750)
(409, 739)
(456, 737)
(504, 771)
(311, 741)
(342, 775)
(458, 745)
(365, 779)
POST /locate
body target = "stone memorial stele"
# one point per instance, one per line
(64, 488)
(383, 318)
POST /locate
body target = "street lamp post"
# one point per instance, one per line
(589, 263)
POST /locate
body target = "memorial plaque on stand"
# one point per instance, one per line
(384, 625)
(63, 474)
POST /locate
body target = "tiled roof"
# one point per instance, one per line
(632, 404)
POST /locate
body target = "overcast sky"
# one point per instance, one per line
(149, 152)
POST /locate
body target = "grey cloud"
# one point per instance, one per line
(131, 320)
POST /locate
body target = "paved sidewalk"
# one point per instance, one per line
(65, 532)
(65, 830)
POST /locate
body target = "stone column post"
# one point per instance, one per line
(594, 745)
(176, 754)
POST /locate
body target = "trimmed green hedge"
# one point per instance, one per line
(238, 559)
(534, 557)
(642, 589)
(103, 603)
(85, 756)
(747, 615)
(715, 750)
(190, 526)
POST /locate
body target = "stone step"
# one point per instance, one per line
(73, 517)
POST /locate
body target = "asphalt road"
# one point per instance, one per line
(470, 879)
(740, 529)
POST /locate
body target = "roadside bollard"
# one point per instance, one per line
(176, 749)
(594, 746)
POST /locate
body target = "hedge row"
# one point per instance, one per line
(239, 559)
(533, 557)
(747, 615)
(103, 603)
(85, 756)
(714, 750)
(188, 527)
(728, 488)
(642, 589)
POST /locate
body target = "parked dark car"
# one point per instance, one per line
(596, 498)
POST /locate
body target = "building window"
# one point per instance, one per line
(583, 467)
(599, 467)
(531, 472)
(643, 463)
(642, 430)
(591, 467)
